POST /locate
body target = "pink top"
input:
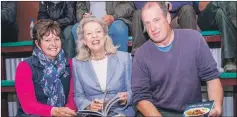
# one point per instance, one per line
(26, 92)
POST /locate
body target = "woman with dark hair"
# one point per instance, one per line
(43, 81)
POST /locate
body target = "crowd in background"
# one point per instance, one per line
(124, 19)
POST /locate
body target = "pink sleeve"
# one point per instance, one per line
(26, 92)
(70, 100)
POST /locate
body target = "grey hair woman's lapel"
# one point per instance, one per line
(111, 67)
(90, 71)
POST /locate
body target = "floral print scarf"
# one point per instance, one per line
(51, 83)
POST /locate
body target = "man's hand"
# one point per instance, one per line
(123, 96)
(108, 19)
(62, 111)
(202, 5)
(215, 112)
(215, 92)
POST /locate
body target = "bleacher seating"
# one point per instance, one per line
(228, 79)
(209, 34)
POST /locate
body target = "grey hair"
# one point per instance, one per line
(83, 52)
(161, 4)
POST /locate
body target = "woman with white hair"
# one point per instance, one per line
(100, 70)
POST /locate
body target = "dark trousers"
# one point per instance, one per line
(68, 43)
(214, 18)
(9, 32)
(164, 113)
(139, 36)
(185, 18)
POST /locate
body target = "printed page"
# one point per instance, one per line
(111, 103)
(85, 113)
(199, 109)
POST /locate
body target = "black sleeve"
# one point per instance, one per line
(69, 16)
(42, 13)
(8, 12)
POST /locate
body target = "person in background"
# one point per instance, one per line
(63, 13)
(221, 16)
(100, 71)
(168, 69)
(43, 82)
(9, 28)
(182, 13)
(116, 15)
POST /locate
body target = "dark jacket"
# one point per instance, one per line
(61, 12)
(37, 75)
(229, 8)
(8, 12)
(119, 10)
(8, 22)
(176, 5)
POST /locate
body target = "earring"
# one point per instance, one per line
(106, 38)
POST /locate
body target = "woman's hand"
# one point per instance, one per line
(96, 105)
(62, 111)
(123, 96)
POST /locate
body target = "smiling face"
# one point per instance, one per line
(156, 23)
(94, 36)
(50, 44)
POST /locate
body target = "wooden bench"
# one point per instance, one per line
(13, 49)
(210, 36)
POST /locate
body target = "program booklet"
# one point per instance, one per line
(199, 109)
(105, 109)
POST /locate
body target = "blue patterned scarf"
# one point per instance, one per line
(50, 82)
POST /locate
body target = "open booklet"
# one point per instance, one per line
(201, 109)
(105, 109)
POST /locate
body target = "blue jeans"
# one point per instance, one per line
(118, 31)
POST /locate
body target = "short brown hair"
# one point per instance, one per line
(44, 27)
(161, 4)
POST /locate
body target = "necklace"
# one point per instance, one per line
(98, 58)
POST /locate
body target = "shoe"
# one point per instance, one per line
(230, 66)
